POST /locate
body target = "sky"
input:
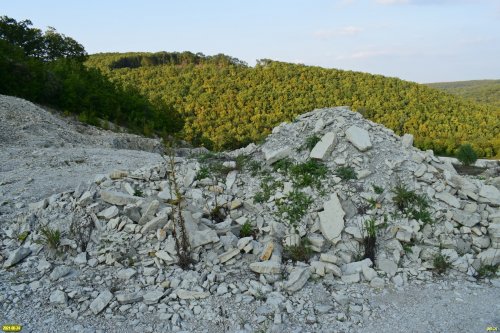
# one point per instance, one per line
(415, 40)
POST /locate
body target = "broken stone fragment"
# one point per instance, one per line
(109, 212)
(388, 266)
(149, 212)
(117, 198)
(152, 297)
(489, 194)
(267, 252)
(101, 301)
(448, 198)
(297, 279)
(187, 294)
(331, 219)
(407, 140)
(16, 256)
(129, 298)
(324, 147)
(266, 267)
(359, 137)
(228, 255)
(58, 297)
(117, 174)
(273, 156)
(157, 222)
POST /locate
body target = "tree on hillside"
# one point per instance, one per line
(48, 46)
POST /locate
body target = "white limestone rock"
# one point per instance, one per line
(157, 222)
(331, 219)
(152, 297)
(128, 298)
(202, 237)
(117, 198)
(188, 294)
(109, 212)
(101, 301)
(163, 255)
(58, 297)
(273, 156)
(489, 257)
(266, 267)
(324, 147)
(16, 256)
(149, 212)
(448, 198)
(388, 266)
(407, 140)
(297, 279)
(59, 272)
(359, 137)
(228, 255)
(489, 194)
(466, 219)
(126, 274)
(356, 267)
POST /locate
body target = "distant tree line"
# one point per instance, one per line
(227, 104)
(48, 68)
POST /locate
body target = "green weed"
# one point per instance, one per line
(50, 237)
(346, 173)
(441, 263)
(294, 207)
(311, 141)
(301, 252)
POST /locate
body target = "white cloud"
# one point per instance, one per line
(343, 31)
(392, 2)
(363, 55)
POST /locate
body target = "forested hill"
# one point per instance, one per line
(482, 91)
(227, 104)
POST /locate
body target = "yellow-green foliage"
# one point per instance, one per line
(227, 104)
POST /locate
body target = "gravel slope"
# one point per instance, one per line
(42, 154)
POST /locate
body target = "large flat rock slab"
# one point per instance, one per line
(331, 219)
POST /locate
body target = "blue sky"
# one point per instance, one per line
(416, 40)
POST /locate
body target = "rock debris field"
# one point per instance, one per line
(333, 224)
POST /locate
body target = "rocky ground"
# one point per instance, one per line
(277, 233)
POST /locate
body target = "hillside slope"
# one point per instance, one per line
(227, 104)
(482, 91)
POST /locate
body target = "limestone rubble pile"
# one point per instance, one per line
(128, 264)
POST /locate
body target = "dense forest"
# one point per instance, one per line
(221, 102)
(482, 91)
(226, 104)
(48, 68)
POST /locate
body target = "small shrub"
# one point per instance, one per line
(301, 252)
(241, 161)
(487, 271)
(311, 141)
(50, 237)
(308, 174)
(268, 187)
(254, 168)
(441, 263)
(346, 173)
(218, 214)
(411, 203)
(370, 241)
(283, 165)
(138, 193)
(466, 154)
(247, 230)
(203, 173)
(378, 189)
(294, 207)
